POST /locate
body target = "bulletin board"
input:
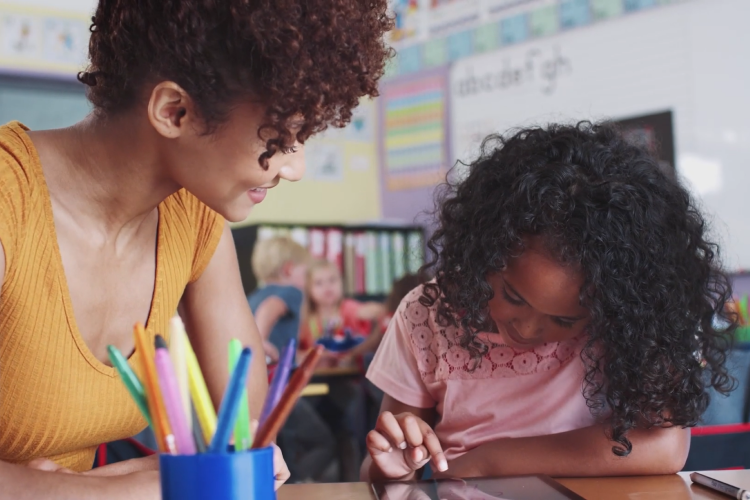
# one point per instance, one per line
(687, 60)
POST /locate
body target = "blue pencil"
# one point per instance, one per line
(280, 378)
(230, 404)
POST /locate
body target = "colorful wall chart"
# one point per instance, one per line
(413, 139)
(442, 31)
(41, 41)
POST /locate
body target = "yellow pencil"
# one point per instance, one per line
(204, 408)
(159, 419)
(177, 351)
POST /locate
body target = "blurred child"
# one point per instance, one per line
(366, 349)
(280, 265)
(328, 311)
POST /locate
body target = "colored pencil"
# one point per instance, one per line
(163, 432)
(267, 433)
(200, 442)
(204, 408)
(242, 436)
(171, 394)
(177, 351)
(130, 380)
(230, 404)
(280, 379)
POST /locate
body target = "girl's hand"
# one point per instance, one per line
(402, 444)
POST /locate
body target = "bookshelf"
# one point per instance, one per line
(369, 256)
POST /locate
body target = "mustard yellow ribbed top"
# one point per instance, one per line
(56, 399)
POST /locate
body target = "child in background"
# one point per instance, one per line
(366, 349)
(344, 407)
(570, 330)
(280, 265)
(328, 310)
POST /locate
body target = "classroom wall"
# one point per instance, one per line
(82, 6)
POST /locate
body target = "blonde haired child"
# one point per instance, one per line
(280, 264)
(327, 309)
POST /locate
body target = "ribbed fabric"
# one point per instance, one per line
(56, 399)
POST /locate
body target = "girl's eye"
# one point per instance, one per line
(512, 300)
(563, 323)
(288, 151)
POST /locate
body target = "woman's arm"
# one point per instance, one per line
(581, 452)
(215, 310)
(24, 483)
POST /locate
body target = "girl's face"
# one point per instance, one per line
(536, 300)
(222, 170)
(326, 289)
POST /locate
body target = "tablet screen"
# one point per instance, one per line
(506, 488)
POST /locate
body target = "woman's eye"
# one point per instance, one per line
(288, 151)
(512, 300)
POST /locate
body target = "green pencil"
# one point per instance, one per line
(242, 438)
(130, 379)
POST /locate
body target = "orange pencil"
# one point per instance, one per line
(162, 430)
(280, 413)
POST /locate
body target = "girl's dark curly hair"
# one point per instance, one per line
(653, 283)
(315, 58)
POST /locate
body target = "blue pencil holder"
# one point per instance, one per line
(246, 475)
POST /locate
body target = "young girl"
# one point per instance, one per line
(328, 312)
(570, 329)
(199, 108)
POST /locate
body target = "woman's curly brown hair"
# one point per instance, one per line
(314, 58)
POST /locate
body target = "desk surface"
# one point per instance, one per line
(673, 487)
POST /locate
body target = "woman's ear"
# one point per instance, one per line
(171, 111)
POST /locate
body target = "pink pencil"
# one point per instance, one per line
(172, 402)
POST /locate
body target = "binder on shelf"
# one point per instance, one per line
(372, 269)
(415, 252)
(335, 248)
(398, 246)
(386, 257)
(350, 273)
(360, 252)
(300, 235)
(266, 232)
(317, 246)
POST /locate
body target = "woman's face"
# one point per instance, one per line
(222, 168)
(326, 289)
(536, 300)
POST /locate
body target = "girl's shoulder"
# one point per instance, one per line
(438, 348)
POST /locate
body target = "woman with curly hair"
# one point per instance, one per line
(570, 329)
(200, 107)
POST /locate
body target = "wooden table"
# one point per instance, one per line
(673, 487)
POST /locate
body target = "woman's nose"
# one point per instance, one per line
(293, 165)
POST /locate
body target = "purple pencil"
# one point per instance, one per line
(280, 378)
(172, 402)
